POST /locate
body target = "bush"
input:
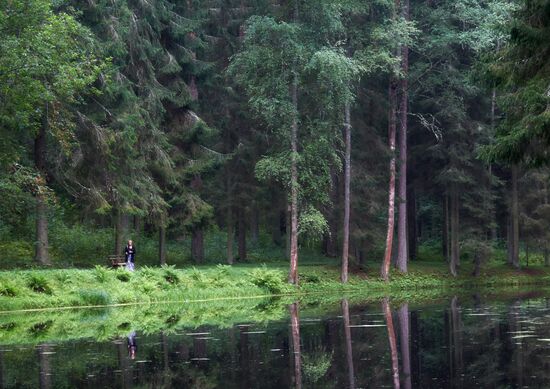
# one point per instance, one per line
(94, 297)
(170, 275)
(271, 280)
(39, 284)
(123, 275)
(101, 273)
(16, 252)
(8, 290)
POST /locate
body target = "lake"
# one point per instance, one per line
(459, 342)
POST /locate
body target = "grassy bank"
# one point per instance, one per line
(34, 289)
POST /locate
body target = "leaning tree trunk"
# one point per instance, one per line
(347, 179)
(293, 273)
(391, 193)
(515, 219)
(402, 230)
(41, 249)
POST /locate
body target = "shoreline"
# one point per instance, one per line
(58, 289)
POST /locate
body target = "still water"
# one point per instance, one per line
(459, 342)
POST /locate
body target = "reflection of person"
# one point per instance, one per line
(132, 345)
(130, 255)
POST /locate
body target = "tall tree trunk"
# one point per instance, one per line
(391, 193)
(454, 230)
(162, 245)
(412, 223)
(402, 230)
(242, 235)
(331, 239)
(515, 218)
(295, 328)
(254, 224)
(41, 248)
(445, 229)
(229, 220)
(120, 231)
(392, 340)
(293, 272)
(349, 350)
(509, 241)
(230, 236)
(404, 328)
(197, 245)
(347, 181)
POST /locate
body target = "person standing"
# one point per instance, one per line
(130, 255)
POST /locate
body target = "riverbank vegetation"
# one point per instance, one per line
(101, 286)
(240, 131)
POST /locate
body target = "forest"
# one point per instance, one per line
(372, 134)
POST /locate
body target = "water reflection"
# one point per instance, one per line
(462, 342)
(393, 344)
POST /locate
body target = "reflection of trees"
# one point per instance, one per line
(295, 334)
(44, 351)
(404, 329)
(456, 362)
(349, 349)
(393, 342)
(1, 369)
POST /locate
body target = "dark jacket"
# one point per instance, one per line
(130, 253)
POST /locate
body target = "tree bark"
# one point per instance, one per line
(254, 224)
(404, 328)
(515, 218)
(402, 230)
(230, 225)
(295, 328)
(391, 192)
(293, 272)
(41, 249)
(349, 349)
(347, 199)
(392, 340)
(162, 245)
(331, 239)
(412, 224)
(445, 229)
(242, 235)
(197, 245)
(454, 231)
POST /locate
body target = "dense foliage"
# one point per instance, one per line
(272, 124)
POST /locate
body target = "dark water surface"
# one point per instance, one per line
(457, 343)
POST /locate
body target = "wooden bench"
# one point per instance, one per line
(117, 261)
